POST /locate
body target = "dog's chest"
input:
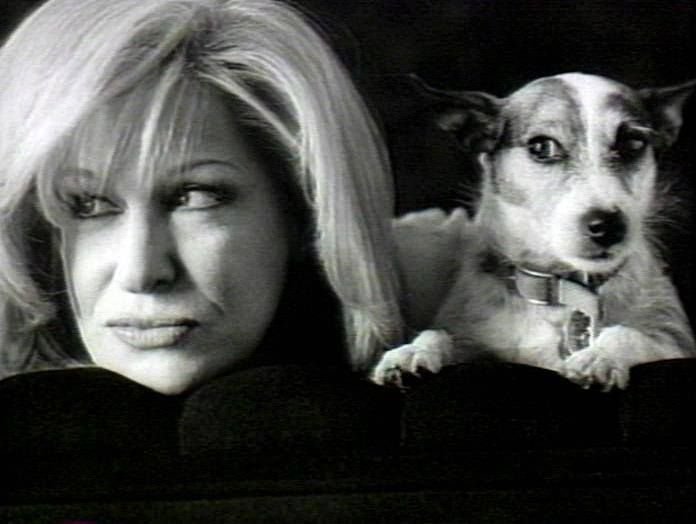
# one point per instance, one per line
(526, 333)
(484, 311)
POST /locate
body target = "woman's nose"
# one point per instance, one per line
(145, 256)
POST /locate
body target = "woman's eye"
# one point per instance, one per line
(197, 197)
(92, 206)
(545, 149)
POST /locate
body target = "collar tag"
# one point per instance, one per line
(580, 328)
(547, 289)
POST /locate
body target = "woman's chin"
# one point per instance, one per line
(165, 376)
(168, 370)
(171, 385)
(168, 383)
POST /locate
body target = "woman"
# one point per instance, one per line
(175, 175)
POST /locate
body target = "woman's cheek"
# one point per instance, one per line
(90, 256)
(244, 259)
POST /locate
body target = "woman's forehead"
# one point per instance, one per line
(136, 131)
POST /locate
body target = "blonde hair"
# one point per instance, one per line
(72, 57)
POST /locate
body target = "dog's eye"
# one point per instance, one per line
(628, 148)
(545, 149)
(631, 140)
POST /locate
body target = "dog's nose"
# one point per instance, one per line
(605, 228)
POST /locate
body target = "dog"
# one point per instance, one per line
(556, 267)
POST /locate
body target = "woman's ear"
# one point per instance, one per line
(472, 117)
(665, 105)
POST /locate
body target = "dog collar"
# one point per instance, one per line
(575, 291)
(550, 289)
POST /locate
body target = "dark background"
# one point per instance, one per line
(496, 46)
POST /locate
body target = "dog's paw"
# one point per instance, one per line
(406, 359)
(590, 367)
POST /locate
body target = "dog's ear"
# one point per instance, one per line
(665, 105)
(471, 116)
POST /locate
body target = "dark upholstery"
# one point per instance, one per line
(286, 410)
(482, 442)
(91, 410)
(658, 408)
(490, 404)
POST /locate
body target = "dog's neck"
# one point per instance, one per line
(536, 284)
(577, 291)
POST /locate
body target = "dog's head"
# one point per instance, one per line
(569, 164)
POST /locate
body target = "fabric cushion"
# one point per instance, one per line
(285, 410)
(658, 406)
(488, 405)
(83, 411)
(83, 434)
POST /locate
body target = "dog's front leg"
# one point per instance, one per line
(608, 360)
(655, 328)
(430, 350)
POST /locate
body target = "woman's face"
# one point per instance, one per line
(176, 279)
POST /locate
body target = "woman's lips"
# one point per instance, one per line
(151, 334)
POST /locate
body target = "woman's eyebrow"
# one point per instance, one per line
(187, 167)
(80, 178)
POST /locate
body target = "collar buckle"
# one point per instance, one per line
(536, 287)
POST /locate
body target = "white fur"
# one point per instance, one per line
(537, 224)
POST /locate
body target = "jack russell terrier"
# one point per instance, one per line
(557, 268)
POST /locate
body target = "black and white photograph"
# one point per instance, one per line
(409, 261)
